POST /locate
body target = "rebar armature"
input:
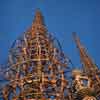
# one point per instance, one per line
(37, 69)
(36, 66)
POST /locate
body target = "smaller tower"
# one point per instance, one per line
(86, 60)
(89, 67)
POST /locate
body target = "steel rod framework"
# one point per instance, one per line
(36, 66)
(37, 69)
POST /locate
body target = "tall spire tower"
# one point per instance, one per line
(36, 66)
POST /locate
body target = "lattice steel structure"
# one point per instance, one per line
(36, 66)
(37, 69)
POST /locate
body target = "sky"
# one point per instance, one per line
(62, 17)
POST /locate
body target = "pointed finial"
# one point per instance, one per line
(38, 17)
(38, 25)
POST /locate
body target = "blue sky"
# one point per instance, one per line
(62, 17)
